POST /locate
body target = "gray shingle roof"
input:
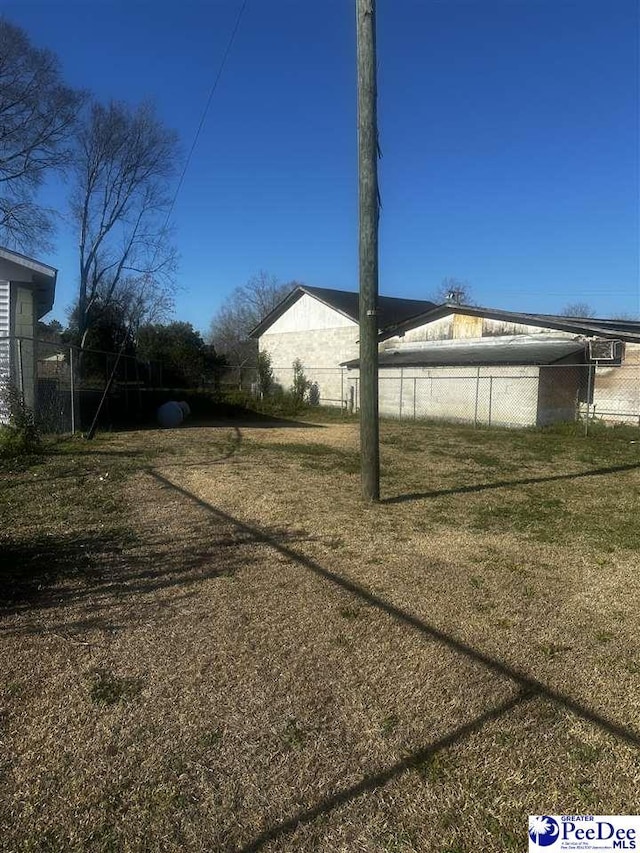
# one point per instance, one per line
(391, 309)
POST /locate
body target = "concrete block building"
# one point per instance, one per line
(460, 362)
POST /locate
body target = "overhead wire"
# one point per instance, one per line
(203, 117)
(212, 91)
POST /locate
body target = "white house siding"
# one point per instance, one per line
(5, 330)
(24, 355)
(501, 396)
(320, 337)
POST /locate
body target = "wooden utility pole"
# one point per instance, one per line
(368, 210)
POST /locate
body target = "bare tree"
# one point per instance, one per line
(626, 316)
(578, 309)
(453, 290)
(142, 301)
(37, 119)
(243, 309)
(124, 161)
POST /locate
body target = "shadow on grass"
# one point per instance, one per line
(527, 686)
(247, 420)
(414, 761)
(501, 484)
(229, 416)
(34, 565)
(102, 570)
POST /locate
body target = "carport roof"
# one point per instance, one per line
(479, 354)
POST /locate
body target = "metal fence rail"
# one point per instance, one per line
(64, 387)
(508, 396)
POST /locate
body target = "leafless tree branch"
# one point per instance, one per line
(125, 159)
(37, 120)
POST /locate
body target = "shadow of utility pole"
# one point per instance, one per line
(528, 687)
(501, 484)
(524, 681)
(377, 780)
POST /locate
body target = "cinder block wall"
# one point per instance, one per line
(616, 392)
(320, 337)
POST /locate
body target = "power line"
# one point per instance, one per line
(212, 92)
(92, 429)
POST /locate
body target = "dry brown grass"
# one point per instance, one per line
(243, 656)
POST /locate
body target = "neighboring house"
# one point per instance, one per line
(27, 290)
(462, 362)
(486, 365)
(320, 327)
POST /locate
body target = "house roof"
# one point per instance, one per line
(521, 350)
(391, 310)
(624, 330)
(41, 276)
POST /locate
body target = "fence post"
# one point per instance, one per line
(20, 373)
(589, 389)
(401, 390)
(72, 384)
(475, 414)
(490, 397)
(414, 397)
(126, 387)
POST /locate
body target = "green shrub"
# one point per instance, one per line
(300, 382)
(266, 380)
(20, 436)
(236, 397)
(280, 404)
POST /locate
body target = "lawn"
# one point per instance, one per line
(209, 643)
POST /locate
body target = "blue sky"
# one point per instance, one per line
(509, 131)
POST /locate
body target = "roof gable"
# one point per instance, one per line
(391, 310)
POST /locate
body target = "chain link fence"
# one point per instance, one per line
(65, 388)
(507, 396)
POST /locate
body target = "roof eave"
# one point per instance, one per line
(44, 295)
(28, 263)
(289, 300)
(42, 281)
(543, 321)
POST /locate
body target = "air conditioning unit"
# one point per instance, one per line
(601, 349)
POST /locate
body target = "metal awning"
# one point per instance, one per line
(480, 354)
